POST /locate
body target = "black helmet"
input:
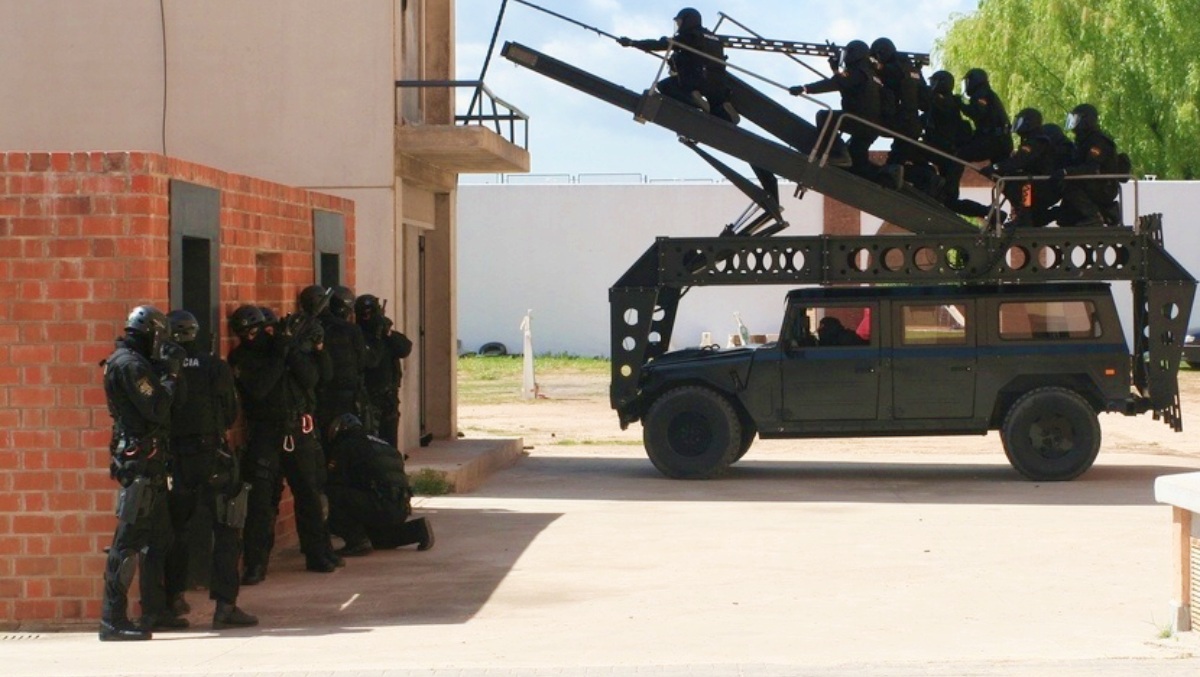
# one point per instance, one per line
(148, 322)
(366, 307)
(310, 299)
(688, 17)
(270, 317)
(883, 49)
(1083, 118)
(942, 82)
(975, 79)
(1028, 121)
(184, 326)
(343, 423)
(341, 303)
(246, 320)
(853, 52)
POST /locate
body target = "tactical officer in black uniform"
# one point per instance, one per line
(1092, 202)
(276, 377)
(694, 80)
(344, 393)
(388, 347)
(903, 83)
(945, 130)
(992, 139)
(369, 497)
(1030, 200)
(140, 380)
(855, 78)
(204, 474)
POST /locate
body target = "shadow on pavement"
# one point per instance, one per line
(446, 585)
(609, 478)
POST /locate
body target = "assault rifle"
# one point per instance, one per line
(826, 49)
(302, 326)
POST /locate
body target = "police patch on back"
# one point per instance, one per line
(145, 387)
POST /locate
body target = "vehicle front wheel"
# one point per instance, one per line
(692, 432)
(1051, 434)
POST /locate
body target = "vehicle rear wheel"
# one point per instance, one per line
(692, 432)
(1051, 434)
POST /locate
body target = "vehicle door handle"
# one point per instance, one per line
(967, 368)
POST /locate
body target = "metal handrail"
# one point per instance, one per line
(501, 110)
(998, 188)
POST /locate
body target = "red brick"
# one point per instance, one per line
(70, 248)
(17, 162)
(38, 546)
(31, 354)
(60, 162)
(35, 206)
(31, 397)
(62, 502)
(67, 460)
(10, 206)
(35, 608)
(73, 609)
(32, 311)
(69, 290)
(33, 481)
(31, 227)
(76, 205)
(32, 524)
(73, 524)
(101, 226)
(115, 162)
(67, 439)
(65, 270)
(39, 162)
(10, 588)
(140, 247)
(63, 332)
(33, 418)
(33, 459)
(70, 587)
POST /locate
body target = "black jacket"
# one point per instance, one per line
(209, 406)
(139, 399)
(987, 111)
(387, 347)
(277, 381)
(693, 70)
(859, 88)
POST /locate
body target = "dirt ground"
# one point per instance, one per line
(572, 414)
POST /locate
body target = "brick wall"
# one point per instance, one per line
(84, 237)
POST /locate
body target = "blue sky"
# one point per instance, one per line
(572, 133)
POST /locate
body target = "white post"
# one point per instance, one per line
(528, 385)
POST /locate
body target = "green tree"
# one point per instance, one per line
(1137, 61)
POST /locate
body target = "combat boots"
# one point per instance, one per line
(230, 616)
(426, 541)
(122, 631)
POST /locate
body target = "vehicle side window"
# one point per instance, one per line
(842, 326)
(934, 324)
(1043, 320)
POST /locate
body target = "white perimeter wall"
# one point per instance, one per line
(556, 249)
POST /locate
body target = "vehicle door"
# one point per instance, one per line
(933, 359)
(827, 376)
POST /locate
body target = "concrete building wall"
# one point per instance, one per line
(557, 249)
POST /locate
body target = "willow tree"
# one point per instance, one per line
(1137, 61)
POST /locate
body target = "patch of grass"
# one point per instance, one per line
(489, 380)
(430, 482)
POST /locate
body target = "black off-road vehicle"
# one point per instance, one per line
(1036, 362)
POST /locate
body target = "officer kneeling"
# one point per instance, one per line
(369, 497)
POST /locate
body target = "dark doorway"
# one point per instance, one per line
(329, 247)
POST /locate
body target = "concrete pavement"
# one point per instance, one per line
(898, 558)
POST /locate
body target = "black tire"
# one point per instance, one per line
(1051, 434)
(748, 433)
(493, 349)
(692, 432)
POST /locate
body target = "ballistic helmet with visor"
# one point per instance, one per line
(975, 80)
(184, 326)
(366, 307)
(1028, 121)
(942, 82)
(854, 52)
(688, 17)
(310, 298)
(883, 50)
(246, 321)
(342, 424)
(148, 323)
(341, 304)
(1083, 118)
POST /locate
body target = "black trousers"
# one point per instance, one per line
(276, 451)
(357, 514)
(141, 546)
(389, 418)
(1089, 203)
(861, 138)
(716, 95)
(191, 466)
(991, 147)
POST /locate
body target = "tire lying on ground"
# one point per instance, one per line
(493, 349)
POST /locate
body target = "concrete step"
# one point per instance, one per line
(465, 464)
